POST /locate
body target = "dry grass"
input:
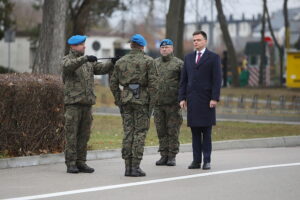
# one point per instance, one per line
(107, 132)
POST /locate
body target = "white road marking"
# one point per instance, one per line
(110, 187)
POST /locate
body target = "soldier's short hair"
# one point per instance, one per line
(135, 45)
(200, 33)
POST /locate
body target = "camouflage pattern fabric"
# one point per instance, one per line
(134, 68)
(77, 132)
(135, 125)
(168, 120)
(168, 69)
(78, 78)
(167, 113)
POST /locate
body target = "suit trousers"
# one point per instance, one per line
(201, 143)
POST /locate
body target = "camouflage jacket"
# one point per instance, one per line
(169, 68)
(133, 68)
(78, 78)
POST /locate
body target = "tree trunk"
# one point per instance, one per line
(52, 38)
(280, 49)
(287, 38)
(149, 21)
(262, 64)
(175, 25)
(286, 24)
(78, 18)
(232, 59)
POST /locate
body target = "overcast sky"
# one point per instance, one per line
(235, 7)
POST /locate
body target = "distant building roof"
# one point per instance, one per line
(277, 19)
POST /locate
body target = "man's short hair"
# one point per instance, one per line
(200, 33)
(135, 45)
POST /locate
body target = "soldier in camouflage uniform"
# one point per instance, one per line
(78, 78)
(134, 73)
(167, 113)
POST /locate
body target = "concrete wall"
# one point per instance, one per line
(19, 54)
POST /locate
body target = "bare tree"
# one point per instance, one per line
(286, 24)
(150, 17)
(175, 25)
(262, 64)
(280, 48)
(84, 13)
(52, 38)
(232, 59)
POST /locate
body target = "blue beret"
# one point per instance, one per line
(139, 39)
(166, 42)
(76, 39)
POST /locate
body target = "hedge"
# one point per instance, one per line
(31, 114)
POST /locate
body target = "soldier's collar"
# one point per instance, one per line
(76, 53)
(167, 58)
(137, 51)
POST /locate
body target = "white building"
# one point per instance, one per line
(19, 54)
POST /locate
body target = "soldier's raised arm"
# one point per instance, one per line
(71, 64)
(102, 68)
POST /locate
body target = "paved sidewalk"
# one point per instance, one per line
(289, 141)
(247, 174)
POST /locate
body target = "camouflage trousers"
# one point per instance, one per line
(168, 119)
(78, 121)
(135, 126)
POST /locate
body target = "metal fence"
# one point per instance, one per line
(267, 103)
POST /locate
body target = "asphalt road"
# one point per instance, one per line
(260, 174)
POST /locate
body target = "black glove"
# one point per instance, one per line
(92, 58)
(115, 59)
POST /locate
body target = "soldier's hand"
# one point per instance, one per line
(182, 104)
(92, 58)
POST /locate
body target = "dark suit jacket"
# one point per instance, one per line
(200, 83)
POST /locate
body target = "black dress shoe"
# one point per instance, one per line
(206, 166)
(162, 161)
(85, 168)
(194, 165)
(72, 169)
(171, 161)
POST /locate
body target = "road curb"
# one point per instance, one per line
(288, 141)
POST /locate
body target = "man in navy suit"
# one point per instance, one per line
(199, 92)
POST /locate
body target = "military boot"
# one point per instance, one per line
(162, 161)
(72, 169)
(85, 168)
(171, 161)
(136, 170)
(127, 167)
